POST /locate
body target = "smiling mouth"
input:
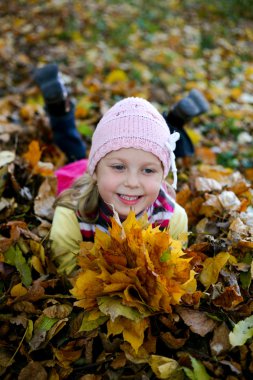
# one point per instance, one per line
(129, 198)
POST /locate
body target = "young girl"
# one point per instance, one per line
(61, 112)
(130, 158)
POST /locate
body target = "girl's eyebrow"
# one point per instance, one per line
(116, 159)
(125, 160)
(142, 164)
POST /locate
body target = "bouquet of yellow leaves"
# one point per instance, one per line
(128, 275)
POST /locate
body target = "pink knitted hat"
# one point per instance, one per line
(134, 123)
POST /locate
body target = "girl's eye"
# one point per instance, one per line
(148, 171)
(118, 167)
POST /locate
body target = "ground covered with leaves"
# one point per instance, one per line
(157, 311)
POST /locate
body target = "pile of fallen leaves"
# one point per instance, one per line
(140, 306)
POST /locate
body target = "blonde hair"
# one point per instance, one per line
(82, 196)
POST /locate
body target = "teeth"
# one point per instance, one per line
(129, 198)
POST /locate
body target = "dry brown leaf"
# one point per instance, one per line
(43, 203)
(220, 342)
(33, 370)
(24, 306)
(58, 311)
(198, 321)
(34, 293)
(173, 342)
(228, 299)
(90, 377)
(119, 361)
(67, 354)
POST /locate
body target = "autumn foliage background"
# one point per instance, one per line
(108, 50)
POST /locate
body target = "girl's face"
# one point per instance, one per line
(129, 179)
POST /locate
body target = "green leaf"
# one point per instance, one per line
(214, 317)
(29, 331)
(23, 245)
(25, 273)
(46, 323)
(189, 373)
(10, 255)
(198, 372)
(247, 258)
(165, 256)
(85, 129)
(89, 325)
(227, 159)
(114, 308)
(242, 331)
(15, 257)
(245, 279)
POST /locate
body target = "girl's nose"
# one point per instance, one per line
(132, 180)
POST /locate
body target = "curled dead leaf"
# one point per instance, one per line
(172, 342)
(228, 299)
(58, 311)
(198, 321)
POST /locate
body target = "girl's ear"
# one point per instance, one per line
(94, 176)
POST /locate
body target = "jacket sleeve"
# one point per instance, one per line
(179, 222)
(65, 237)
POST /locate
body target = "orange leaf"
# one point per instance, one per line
(228, 299)
(249, 174)
(206, 155)
(67, 355)
(33, 155)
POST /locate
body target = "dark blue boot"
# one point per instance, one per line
(66, 135)
(61, 112)
(186, 109)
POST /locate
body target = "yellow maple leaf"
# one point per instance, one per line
(133, 331)
(87, 287)
(212, 267)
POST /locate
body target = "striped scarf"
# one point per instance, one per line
(159, 214)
